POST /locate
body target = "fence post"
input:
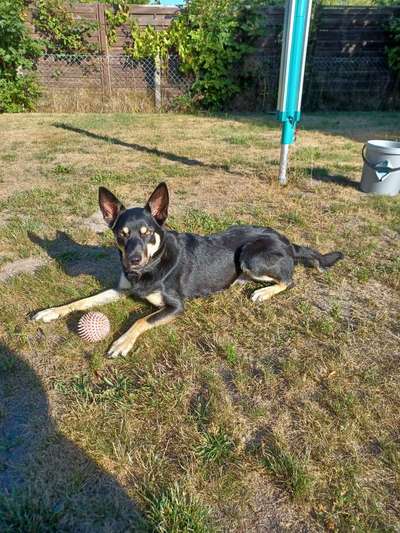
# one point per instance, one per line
(157, 82)
(105, 64)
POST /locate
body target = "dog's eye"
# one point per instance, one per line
(145, 231)
(123, 233)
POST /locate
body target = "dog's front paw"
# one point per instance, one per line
(259, 295)
(47, 315)
(121, 346)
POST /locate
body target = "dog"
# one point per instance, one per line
(166, 268)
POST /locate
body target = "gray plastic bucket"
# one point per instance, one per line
(381, 172)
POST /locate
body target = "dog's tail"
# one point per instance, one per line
(312, 258)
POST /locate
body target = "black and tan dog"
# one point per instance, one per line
(166, 268)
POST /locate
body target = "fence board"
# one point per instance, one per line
(84, 8)
(336, 23)
(361, 11)
(358, 35)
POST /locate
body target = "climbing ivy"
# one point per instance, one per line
(116, 16)
(211, 39)
(18, 53)
(61, 32)
(148, 42)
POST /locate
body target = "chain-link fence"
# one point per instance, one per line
(64, 71)
(120, 83)
(331, 83)
(347, 83)
(110, 81)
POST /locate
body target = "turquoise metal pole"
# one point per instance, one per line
(294, 49)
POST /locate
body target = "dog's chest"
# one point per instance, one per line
(155, 298)
(148, 293)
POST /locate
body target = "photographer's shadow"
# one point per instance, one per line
(77, 259)
(47, 483)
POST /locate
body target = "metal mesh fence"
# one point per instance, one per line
(110, 74)
(63, 70)
(173, 75)
(128, 73)
(330, 83)
(347, 83)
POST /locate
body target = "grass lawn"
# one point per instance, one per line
(237, 417)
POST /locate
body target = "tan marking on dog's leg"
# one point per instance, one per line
(267, 292)
(318, 266)
(125, 343)
(265, 279)
(105, 297)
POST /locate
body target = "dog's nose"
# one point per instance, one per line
(135, 259)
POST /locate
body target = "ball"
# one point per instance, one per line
(93, 326)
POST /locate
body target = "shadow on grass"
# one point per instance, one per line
(323, 175)
(47, 483)
(357, 126)
(140, 148)
(81, 259)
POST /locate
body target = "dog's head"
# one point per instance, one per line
(138, 231)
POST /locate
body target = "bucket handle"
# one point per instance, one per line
(376, 167)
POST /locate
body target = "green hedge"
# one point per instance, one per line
(19, 89)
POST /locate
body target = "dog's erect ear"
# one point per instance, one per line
(158, 203)
(110, 206)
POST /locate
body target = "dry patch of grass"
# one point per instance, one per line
(236, 417)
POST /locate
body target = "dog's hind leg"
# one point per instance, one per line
(261, 262)
(267, 292)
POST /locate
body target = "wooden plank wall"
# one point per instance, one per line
(110, 71)
(340, 31)
(346, 58)
(352, 31)
(346, 62)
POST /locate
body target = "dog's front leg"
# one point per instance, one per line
(105, 297)
(125, 343)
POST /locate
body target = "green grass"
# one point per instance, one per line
(238, 139)
(287, 470)
(175, 511)
(9, 157)
(289, 407)
(7, 363)
(231, 354)
(293, 218)
(110, 388)
(215, 447)
(63, 169)
(198, 221)
(28, 513)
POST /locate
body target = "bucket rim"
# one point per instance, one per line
(385, 144)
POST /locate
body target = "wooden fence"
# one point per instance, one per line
(346, 64)
(348, 59)
(109, 80)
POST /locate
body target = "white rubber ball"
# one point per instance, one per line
(93, 326)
